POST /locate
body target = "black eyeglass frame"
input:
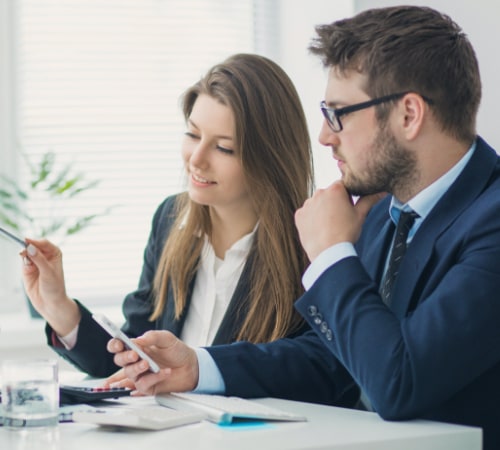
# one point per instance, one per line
(333, 115)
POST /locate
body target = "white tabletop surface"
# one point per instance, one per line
(326, 428)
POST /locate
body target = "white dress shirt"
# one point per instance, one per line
(215, 283)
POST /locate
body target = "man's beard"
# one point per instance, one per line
(392, 168)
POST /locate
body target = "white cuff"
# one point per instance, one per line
(210, 380)
(69, 341)
(324, 260)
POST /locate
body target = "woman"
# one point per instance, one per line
(223, 261)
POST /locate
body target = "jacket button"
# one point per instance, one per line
(312, 310)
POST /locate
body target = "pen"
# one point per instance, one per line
(12, 237)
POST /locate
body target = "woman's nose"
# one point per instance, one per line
(200, 155)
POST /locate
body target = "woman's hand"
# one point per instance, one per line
(179, 363)
(44, 284)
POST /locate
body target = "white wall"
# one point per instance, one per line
(297, 29)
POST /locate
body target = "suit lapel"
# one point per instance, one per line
(374, 244)
(233, 318)
(168, 321)
(376, 254)
(466, 188)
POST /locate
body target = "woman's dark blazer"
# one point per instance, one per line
(90, 354)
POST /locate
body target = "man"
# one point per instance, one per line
(419, 331)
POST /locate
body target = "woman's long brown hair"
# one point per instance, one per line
(272, 135)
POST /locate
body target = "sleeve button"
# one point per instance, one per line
(318, 319)
(312, 310)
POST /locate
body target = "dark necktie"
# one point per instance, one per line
(405, 222)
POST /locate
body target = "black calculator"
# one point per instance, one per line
(70, 395)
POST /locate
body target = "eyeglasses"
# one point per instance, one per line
(333, 115)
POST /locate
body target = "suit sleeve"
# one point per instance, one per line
(89, 354)
(413, 364)
(297, 368)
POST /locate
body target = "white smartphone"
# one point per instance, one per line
(115, 332)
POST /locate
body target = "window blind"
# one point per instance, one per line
(98, 83)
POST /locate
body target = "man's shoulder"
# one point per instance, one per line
(485, 155)
(479, 182)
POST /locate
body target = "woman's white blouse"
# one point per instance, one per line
(215, 283)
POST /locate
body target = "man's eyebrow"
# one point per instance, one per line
(334, 104)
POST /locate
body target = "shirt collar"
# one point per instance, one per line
(240, 248)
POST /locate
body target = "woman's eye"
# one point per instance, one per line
(196, 137)
(225, 150)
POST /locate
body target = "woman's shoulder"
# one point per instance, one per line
(169, 202)
(166, 212)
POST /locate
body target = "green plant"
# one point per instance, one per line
(53, 184)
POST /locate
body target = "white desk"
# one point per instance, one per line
(327, 428)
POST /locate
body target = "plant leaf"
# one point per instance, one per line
(89, 185)
(54, 186)
(15, 189)
(80, 224)
(43, 170)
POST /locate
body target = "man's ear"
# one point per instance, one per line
(411, 114)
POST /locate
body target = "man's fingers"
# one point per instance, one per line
(160, 339)
(115, 346)
(128, 358)
(116, 377)
(149, 383)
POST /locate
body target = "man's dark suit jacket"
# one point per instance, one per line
(90, 354)
(436, 353)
